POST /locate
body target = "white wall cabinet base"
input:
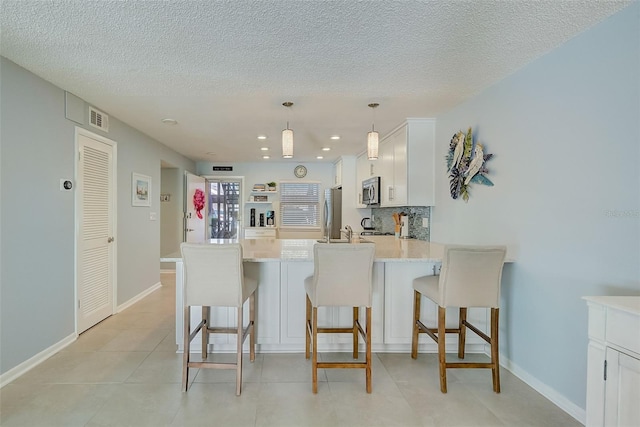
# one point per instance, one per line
(613, 377)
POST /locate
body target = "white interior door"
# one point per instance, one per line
(95, 208)
(195, 209)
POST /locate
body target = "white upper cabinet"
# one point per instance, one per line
(365, 168)
(337, 172)
(406, 158)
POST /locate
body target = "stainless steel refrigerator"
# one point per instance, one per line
(332, 212)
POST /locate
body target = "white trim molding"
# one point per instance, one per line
(138, 297)
(31, 363)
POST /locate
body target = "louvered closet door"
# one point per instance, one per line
(96, 232)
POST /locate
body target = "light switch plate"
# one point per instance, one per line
(152, 216)
(425, 222)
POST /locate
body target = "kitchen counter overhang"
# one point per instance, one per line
(388, 249)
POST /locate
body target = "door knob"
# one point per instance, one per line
(110, 239)
(190, 229)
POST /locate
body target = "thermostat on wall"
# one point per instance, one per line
(66, 184)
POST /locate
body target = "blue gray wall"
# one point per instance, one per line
(565, 131)
(37, 219)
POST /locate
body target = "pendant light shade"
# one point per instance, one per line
(372, 138)
(287, 143)
(287, 137)
(372, 145)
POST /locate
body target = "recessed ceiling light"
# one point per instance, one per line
(326, 149)
(169, 121)
(210, 153)
(262, 137)
(335, 137)
(319, 157)
(266, 157)
(264, 148)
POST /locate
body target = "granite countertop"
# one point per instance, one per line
(388, 249)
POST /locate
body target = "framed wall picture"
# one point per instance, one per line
(140, 190)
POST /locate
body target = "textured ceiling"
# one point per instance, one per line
(222, 69)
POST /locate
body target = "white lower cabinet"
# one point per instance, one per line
(613, 361)
(622, 390)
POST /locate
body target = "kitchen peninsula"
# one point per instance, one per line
(281, 265)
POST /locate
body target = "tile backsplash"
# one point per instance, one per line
(383, 220)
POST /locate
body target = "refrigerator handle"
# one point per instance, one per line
(326, 218)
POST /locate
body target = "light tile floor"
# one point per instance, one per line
(125, 372)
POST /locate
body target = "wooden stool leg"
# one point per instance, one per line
(314, 359)
(442, 357)
(206, 316)
(416, 331)
(495, 369)
(252, 331)
(356, 319)
(307, 332)
(239, 355)
(186, 331)
(462, 335)
(368, 368)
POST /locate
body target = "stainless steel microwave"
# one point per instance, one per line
(371, 191)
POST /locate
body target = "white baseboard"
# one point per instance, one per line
(31, 363)
(138, 297)
(553, 395)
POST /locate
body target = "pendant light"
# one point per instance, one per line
(287, 137)
(372, 138)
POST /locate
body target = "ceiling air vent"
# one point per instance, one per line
(99, 119)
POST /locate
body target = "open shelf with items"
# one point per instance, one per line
(261, 197)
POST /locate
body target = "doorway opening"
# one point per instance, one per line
(224, 207)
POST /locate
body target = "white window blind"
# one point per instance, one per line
(299, 204)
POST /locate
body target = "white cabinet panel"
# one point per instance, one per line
(613, 364)
(622, 391)
(267, 300)
(407, 164)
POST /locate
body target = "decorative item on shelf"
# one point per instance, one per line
(464, 167)
(260, 199)
(271, 186)
(372, 137)
(258, 187)
(271, 219)
(287, 137)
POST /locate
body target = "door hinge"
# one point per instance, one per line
(605, 370)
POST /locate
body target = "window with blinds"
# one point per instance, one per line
(300, 204)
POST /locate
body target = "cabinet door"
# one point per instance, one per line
(337, 173)
(622, 390)
(385, 157)
(363, 171)
(293, 304)
(398, 301)
(267, 300)
(400, 167)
